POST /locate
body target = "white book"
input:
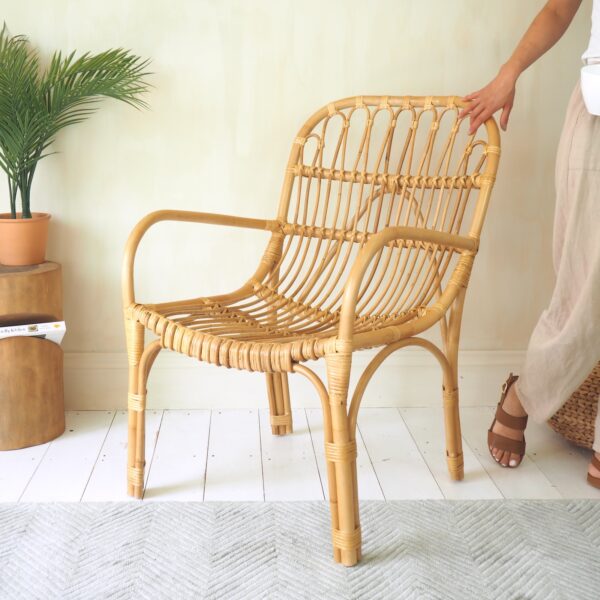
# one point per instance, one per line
(50, 331)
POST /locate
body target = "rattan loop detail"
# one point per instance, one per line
(340, 452)
(450, 397)
(346, 540)
(462, 273)
(136, 402)
(285, 419)
(135, 342)
(455, 462)
(136, 476)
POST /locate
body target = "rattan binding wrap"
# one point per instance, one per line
(576, 418)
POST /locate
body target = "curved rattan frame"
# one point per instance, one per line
(275, 322)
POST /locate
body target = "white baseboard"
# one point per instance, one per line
(411, 377)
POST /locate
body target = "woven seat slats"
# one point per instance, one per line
(200, 331)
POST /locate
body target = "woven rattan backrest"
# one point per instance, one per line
(365, 163)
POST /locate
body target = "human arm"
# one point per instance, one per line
(545, 30)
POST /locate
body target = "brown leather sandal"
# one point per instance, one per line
(595, 481)
(495, 440)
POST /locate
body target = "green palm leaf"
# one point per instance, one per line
(35, 105)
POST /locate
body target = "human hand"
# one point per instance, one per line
(496, 95)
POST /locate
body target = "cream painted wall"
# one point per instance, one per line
(233, 81)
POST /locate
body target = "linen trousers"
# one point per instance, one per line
(565, 343)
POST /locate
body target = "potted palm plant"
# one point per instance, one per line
(35, 105)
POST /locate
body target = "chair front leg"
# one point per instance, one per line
(137, 411)
(137, 408)
(135, 344)
(454, 453)
(279, 403)
(340, 453)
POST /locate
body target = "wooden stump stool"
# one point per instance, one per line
(31, 369)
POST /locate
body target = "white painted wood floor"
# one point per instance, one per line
(232, 455)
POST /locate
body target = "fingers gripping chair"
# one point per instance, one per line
(379, 220)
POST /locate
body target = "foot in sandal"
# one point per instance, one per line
(594, 471)
(506, 438)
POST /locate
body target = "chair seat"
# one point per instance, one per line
(264, 332)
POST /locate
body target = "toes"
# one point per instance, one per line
(515, 460)
(507, 459)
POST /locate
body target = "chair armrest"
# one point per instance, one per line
(375, 243)
(177, 215)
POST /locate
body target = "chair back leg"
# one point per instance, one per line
(279, 403)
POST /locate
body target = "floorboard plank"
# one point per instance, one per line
(234, 470)
(401, 470)
(563, 463)
(289, 465)
(17, 467)
(179, 464)
(426, 426)
(64, 471)
(108, 480)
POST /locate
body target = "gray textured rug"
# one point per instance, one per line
(413, 549)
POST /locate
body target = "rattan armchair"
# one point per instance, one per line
(373, 243)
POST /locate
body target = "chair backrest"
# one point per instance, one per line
(361, 164)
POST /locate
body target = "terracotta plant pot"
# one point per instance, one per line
(23, 241)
